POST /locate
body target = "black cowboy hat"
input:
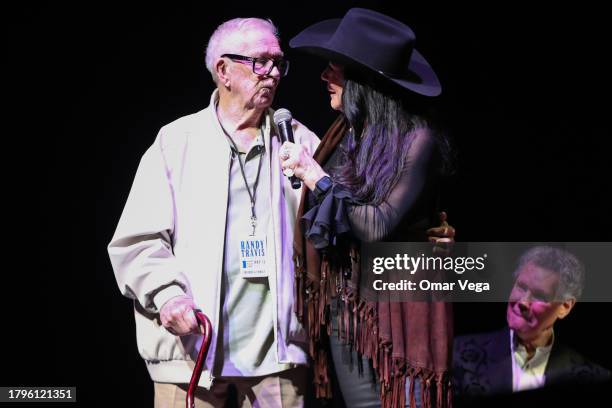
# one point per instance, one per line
(374, 42)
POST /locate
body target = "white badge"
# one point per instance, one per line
(253, 252)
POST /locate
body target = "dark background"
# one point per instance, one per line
(86, 89)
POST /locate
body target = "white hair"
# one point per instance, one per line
(566, 265)
(220, 41)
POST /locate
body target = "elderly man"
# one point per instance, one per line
(207, 225)
(526, 355)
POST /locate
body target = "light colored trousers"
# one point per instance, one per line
(284, 389)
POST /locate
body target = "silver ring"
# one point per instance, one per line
(286, 153)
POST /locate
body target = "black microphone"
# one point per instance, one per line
(282, 118)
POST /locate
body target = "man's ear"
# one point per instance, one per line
(566, 307)
(221, 67)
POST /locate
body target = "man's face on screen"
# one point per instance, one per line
(533, 307)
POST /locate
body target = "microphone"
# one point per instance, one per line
(282, 118)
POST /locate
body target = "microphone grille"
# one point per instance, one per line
(282, 115)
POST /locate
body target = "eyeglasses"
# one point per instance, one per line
(263, 66)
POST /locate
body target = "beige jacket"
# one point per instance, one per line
(170, 240)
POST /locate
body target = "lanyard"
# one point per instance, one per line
(246, 183)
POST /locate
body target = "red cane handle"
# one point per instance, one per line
(197, 371)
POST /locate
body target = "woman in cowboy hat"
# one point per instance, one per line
(373, 178)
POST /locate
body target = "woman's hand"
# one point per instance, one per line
(443, 237)
(297, 159)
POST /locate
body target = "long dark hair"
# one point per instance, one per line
(383, 131)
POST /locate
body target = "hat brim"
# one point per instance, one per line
(419, 75)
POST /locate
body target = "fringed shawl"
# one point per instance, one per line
(401, 339)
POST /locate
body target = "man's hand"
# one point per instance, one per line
(177, 316)
(443, 237)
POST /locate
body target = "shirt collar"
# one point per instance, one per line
(260, 142)
(520, 352)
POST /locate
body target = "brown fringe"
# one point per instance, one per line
(393, 394)
(298, 287)
(358, 328)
